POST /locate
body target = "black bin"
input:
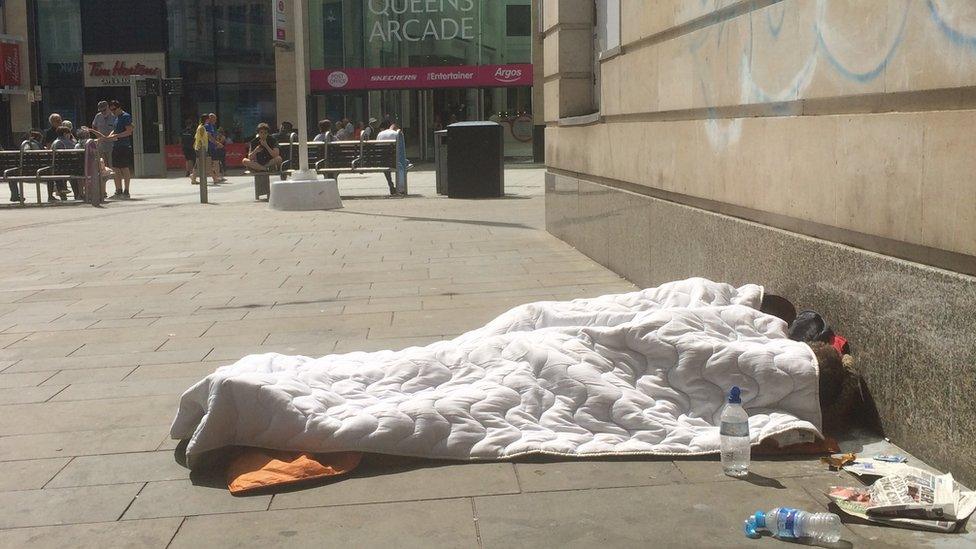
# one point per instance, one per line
(475, 164)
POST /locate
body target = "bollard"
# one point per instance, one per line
(202, 173)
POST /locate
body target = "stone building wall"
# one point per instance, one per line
(821, 148)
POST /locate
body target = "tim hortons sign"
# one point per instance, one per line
(118, 70)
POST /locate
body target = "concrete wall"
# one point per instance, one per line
(821, 148)
(851, 117)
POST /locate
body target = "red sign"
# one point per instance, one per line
(97, 69)
(235, 156)
(464, 76)
(10, 64)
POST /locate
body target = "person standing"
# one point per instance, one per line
(52, 132)
(211, 128)
(200, 145)
(123, 157)
(104, 123)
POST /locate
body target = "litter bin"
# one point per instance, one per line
(475, 162)
(440, 160)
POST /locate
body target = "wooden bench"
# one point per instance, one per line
(289, 156)
(42, 166)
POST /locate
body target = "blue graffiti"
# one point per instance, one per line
(954, 35)
(775, 27)
(865, 76)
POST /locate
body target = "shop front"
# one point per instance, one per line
(425, 64)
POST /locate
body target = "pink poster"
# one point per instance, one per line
(398, 78)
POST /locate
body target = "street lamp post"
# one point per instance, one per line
(301, 93)
(304, 190)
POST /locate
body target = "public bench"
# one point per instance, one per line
(342, 157)
(41, 166)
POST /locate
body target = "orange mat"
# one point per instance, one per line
(256, 468)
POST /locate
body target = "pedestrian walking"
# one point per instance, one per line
(201, 141)
(104, 123)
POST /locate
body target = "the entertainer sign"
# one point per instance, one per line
(461, 76)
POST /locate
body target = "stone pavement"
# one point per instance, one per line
(108, 314)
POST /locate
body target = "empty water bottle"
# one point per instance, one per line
(735, 436)
(786, 523)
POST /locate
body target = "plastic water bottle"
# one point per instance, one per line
(735, 436)
(786, 523)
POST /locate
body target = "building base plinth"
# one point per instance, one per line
(304, 195)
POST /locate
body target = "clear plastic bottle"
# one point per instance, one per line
(787, 523)
(735, 436)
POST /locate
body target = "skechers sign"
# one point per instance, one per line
(393, 78)
(420, 20)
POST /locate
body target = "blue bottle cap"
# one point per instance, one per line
(735, 395)
(753, 523)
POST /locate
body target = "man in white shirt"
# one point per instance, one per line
(389, 132)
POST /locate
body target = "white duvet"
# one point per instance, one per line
(637, 373)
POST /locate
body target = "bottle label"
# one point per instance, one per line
(737, 429)
(787, 522)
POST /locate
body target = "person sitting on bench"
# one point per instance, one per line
(263, 154)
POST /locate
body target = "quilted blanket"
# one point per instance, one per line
(637, 373)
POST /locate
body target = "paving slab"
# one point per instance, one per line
(126, 389)
(133, 534)
(582, 475)
(29, 475)
(81, 442)
(91, 375)
(676, 515)
(28, 395)
(420, 525)
(65, 505)
(179, 498)
(389, 478)
(118, 469)
(31, 379)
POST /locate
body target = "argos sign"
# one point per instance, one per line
(401, 78)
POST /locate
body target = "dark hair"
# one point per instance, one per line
(203, 118)
(64, 130)
(286, 123)
(114, 104)
(35, 134)
(264, 126)
(385, 125)
(325, 125)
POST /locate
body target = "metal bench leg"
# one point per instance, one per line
(37, 184)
